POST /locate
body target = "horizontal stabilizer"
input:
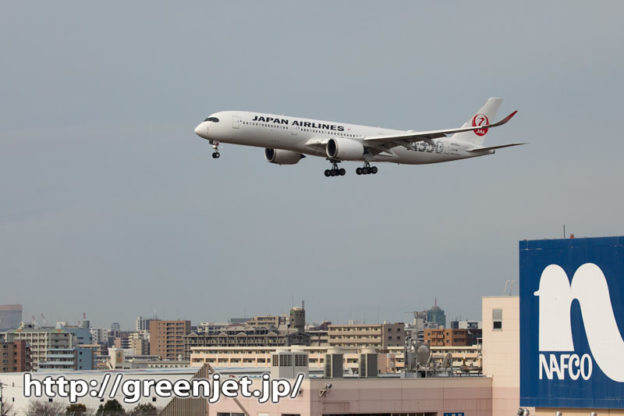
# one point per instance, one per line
(484, 149)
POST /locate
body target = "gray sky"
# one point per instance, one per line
(110, 204)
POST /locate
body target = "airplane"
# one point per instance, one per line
(288, 139)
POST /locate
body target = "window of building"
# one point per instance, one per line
(286, 361)
(301, 360)
(497, 319)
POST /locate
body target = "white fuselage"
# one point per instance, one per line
(307, 136)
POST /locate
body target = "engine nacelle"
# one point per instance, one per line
(344, 149)
(282, 157)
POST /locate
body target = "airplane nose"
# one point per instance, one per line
(201, 130)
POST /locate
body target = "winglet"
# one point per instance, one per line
(503, 121)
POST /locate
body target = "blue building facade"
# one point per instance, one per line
(83, 335)
(68, 359)
(572, 323)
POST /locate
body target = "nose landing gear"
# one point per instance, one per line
(215, 146)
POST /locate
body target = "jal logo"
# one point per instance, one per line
(557, 357)
(480, 120)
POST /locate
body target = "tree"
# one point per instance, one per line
(77, 409)
(144, 410)
(111, 408)
(42, 408)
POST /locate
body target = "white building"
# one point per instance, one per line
(41, 340)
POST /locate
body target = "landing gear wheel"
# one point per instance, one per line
(215, 146)
(335, 170)
(366, 169)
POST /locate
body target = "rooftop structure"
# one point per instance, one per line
(260, 331)
(390, 360)
(470, 396)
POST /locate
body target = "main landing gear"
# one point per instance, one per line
(215, 146)
(366, 169)
(335, 170)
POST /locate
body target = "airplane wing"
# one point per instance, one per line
(481, 149)
(418, 136)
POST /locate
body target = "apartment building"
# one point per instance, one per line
(247, 336)
(167, 338)
(377, 336)
(451, 337)
(15, 357)
(268, 321)
(68, 359)
(138, 342)
(260, 357)
(41, 340)
(390, 360)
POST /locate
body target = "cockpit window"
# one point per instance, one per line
(214, 119)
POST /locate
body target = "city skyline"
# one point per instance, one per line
(129, 324)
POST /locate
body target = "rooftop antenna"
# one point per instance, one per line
(564, 233)
(509, 287)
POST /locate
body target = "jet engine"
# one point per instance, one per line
(282, 157)
(344, 149)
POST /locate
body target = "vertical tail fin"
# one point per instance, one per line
(484, 116)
